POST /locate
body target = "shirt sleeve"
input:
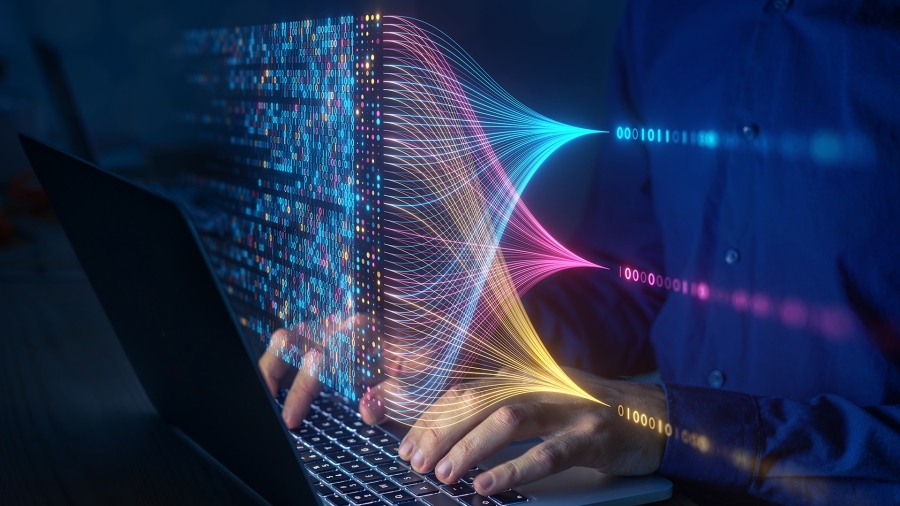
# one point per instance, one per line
(588, 318)
(825, 451)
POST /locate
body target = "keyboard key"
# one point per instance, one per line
(470, 476)
(348, 487)
(325, 424)
(355, 466)
(338, 433)
(398, 497)
(333, 477)
(302, 432)
(315, 439)
(376, 459)
(383, 487)
(432, 478)
(385, 440)
(458, 489)
(350, 441)
(407, 478)
(440, 500)
(326, 448)
(313, 417)
(369, 476)
(420, 489)
(356, 424)
(391, 450)
(509, 497)
(393, 468)
(362, 497)
(341, 457)
(476, 500)
(368, 432)
(363, 450)
(306, 457)
(344, 417)
(322, 490)
(329, 408)
(319, 467)
(337, 501)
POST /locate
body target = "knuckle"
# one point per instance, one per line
(461, 394)
(513, 472)
(278, 337)
(431, 437)
(547, 458)
(466, 448)
(468, 398)
(456, 389)
(510, 416)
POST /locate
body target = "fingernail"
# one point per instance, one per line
(444, 468)
(405, 448)
(484, 481)
(417, 460)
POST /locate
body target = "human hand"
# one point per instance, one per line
(304, 382)
(576, 432)
(305, 386)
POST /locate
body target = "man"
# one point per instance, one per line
(781, 373)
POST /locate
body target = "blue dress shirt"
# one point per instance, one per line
(753, 169)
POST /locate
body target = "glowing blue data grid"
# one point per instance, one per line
(286, 99)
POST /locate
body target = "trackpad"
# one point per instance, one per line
(583, 486)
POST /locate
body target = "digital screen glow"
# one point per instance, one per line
(297, 106)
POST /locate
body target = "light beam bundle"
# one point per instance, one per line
(458, 152)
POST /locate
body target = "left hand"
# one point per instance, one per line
(576, 432)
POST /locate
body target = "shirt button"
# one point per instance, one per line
(783, 5)
(716, 379)
(750, 131)
(732, 256)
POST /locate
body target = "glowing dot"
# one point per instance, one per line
(702, 291)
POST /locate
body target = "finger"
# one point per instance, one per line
(373, 406)
(549, 457)
(506, 424)
(304, 390)
(431, 438)
(275, 371)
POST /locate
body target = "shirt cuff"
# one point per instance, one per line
(714, 439)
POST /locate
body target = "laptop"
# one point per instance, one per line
(143, 258)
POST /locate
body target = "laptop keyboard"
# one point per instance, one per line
(352, 463)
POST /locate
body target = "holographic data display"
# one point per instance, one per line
(297, 197)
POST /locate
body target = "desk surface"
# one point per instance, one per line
(75, 425)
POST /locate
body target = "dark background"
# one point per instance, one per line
(75, 424)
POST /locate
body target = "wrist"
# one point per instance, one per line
(642, 413)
